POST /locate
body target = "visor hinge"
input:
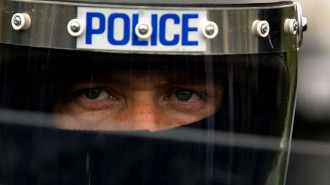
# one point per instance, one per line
(302, 24)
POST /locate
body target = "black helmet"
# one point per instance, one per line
(147, 92)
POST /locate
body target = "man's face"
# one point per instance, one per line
(138, 100)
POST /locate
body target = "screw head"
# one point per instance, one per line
(143, 29)
(75, 27)
(209, 30)
(295, 26)
(264, 29)
(17, 21)
(260, 28)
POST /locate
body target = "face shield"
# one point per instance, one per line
(139, 92)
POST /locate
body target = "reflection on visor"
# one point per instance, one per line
(138, 92)
(81, 91)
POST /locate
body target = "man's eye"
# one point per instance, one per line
(185, 95)
(95, 93)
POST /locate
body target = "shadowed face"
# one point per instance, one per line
(138, 100)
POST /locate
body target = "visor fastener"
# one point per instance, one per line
(143, 30)
(17, 21)
(21, 21)
(210, 29)
(304, 24)
(75, 27)
(291, 26)
(295, 27)
(264, 29)
(261, 28)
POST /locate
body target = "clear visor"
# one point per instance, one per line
(100, 118)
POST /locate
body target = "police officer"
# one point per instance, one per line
(141, 92)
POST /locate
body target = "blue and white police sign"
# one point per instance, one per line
(115, 29)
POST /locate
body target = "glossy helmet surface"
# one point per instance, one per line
(245, 49)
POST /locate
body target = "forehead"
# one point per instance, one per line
(117, 62)
(136, 70)
(178, 69)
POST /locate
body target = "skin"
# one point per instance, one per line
(126, 100)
